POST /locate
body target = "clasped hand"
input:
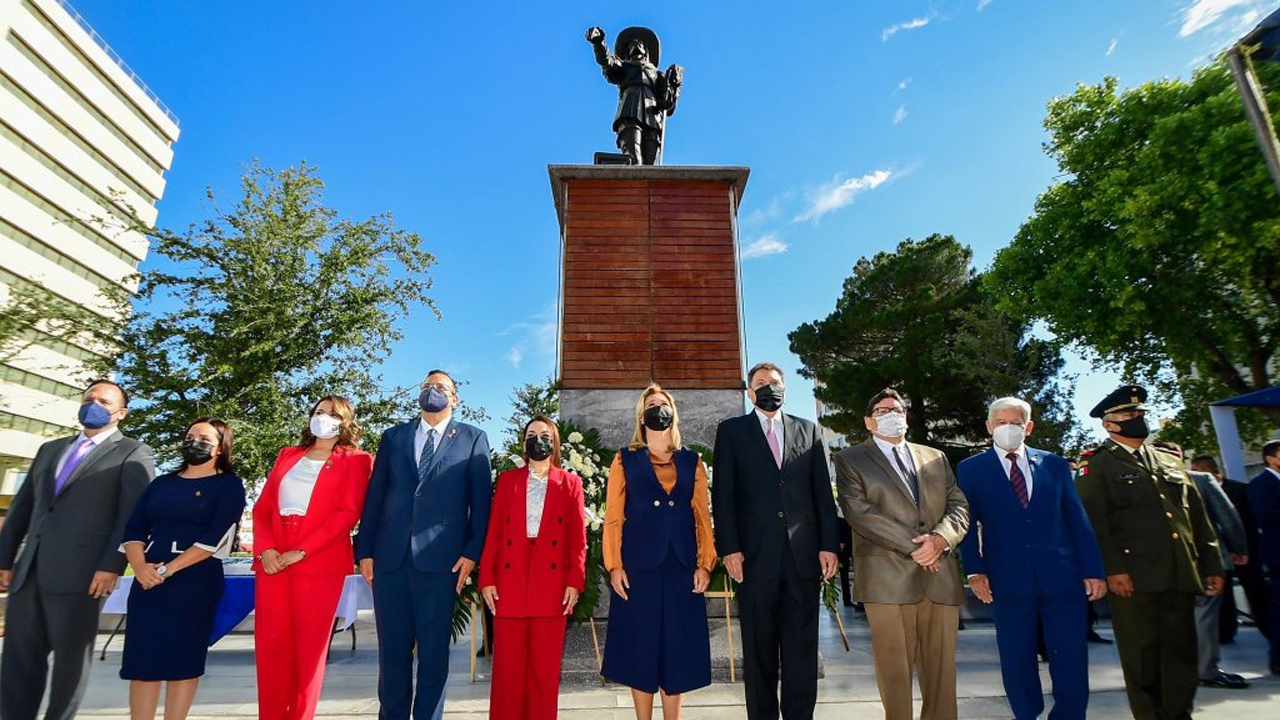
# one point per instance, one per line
(274, 562)
(929, 554)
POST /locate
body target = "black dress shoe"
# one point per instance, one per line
(1094, 637)
(1226, 681)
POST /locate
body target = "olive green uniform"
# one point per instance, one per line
(1151, 524)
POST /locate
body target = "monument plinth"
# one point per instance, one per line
(649, 293)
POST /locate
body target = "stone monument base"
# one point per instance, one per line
(612, 412)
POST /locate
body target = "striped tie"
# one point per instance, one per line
(428, 452)
(1019, 482)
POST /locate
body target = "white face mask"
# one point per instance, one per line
(1009, 437)
(325, 426)
(893, 425)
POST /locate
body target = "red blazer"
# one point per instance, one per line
(336, 503)
(531, 576)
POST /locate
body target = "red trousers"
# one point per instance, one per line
(292, 626)
(526, 668)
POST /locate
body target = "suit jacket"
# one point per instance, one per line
(77, 531)
(435, 519)
(1047, 548)
(336, 503)
(1223, 516)
(531, 576)
(760, 509)
(1264, 499)
(884, 518)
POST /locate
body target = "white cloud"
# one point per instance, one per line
(766, 245)
(839, 193)
(911, 24)
(900, 114)
(1112, 47)
(1200, 14)
(983, 3)
(535, 338)
(903, 85)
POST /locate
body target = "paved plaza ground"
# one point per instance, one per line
(848, 691)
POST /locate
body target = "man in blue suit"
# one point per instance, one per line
(1035, 558)
(422, 531)
(1264, 498)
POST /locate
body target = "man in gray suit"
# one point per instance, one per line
(59, 555)
(908, 515)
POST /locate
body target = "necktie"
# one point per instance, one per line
(913, 483)
(774, 446)
(428, 452)
(78, 454)
(1017, 480)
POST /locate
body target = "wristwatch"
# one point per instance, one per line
(162, 570)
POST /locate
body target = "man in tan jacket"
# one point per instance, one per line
(907, 516)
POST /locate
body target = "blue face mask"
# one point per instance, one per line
(433, 400)
(93, 416)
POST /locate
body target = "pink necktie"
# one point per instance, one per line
(773, 442)
(73, 461)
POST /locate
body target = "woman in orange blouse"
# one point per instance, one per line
(659, 552)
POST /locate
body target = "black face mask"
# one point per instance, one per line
(1135, 427)
(195, 452)
(769, 397)
(659, 417)
(538, 447)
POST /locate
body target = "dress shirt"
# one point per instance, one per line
(420, 437)
(1022, 463)
(535, 498)
(97, 441)
(298, 484)
(904, 452)
(777, 426)
(1274, 474)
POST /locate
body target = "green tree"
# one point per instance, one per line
(918, 320)
(1159, 249)
(527, 401)
(258, 310)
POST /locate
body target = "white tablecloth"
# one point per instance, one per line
(356, 596)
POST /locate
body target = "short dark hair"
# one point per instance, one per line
(764, 366)
(885, 393)
(444, 373)
(124, 394)
(1271, 449)
(1205, 463)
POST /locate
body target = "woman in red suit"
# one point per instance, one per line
(302, 531)
(531, 572)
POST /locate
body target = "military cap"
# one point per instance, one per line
(1125, 397)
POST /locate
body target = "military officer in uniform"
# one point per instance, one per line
(1159, 550)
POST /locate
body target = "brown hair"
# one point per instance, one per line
(222, 463)
(764, 366)
(555, 439)
(638, 436)
(883, 394)
(348, 433)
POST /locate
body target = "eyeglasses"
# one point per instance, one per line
(881, 412)
(438, 386)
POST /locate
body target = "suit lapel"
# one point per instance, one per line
(1036, 483)
(891, 473)
(406, 436)
(49, 479)
(95, 456)
(756, 431)
(450, 431)
(791, 439)
(921, 483)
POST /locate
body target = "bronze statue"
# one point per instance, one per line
(645, 96)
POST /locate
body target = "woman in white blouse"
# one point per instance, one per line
(302, 533)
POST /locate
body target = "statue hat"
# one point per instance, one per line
(650, 39)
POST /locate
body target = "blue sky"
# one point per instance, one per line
(862, 122)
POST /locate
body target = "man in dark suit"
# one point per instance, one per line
(775, 527)
(908, 515)
(1248, 572)
(421, 534)
(1264, 498)
(1034, 555)
(59, 555)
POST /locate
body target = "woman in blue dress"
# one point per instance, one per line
(175, 540)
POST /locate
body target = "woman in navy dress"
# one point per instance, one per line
(180, 530)
(659, 551)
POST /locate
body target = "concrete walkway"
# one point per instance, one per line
(848, 691)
